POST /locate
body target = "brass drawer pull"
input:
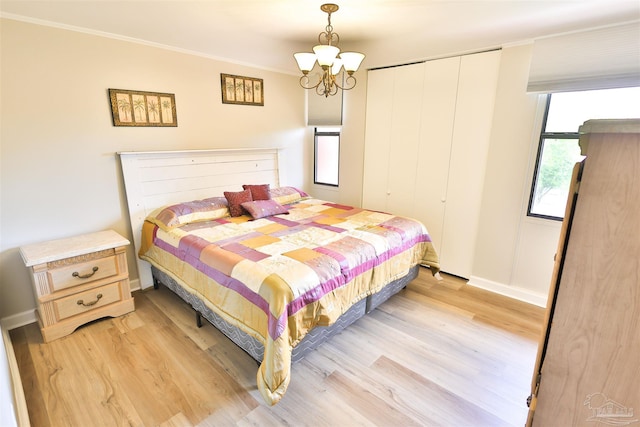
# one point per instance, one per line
(89, 304)
(85, 276)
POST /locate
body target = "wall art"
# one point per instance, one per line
(241, 90)
(137, 108)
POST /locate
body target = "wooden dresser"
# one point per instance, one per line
(588, 368)
(77, 280)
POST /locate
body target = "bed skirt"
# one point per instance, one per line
(312, 340)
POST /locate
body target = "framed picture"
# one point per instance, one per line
(241, 90)
(136, 108)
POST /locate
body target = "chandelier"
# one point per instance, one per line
(330, 59)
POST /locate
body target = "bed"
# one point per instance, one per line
(273, 268)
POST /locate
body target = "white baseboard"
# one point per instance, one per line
(20, 319)
(134, 284)
(514, 292)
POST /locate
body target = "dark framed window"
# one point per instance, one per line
(326, 156)
(558, 150)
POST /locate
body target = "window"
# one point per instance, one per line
(559, 151)
(327, 156)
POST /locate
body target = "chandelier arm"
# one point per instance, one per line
(304, 82)
(327, 83)
(333, 90)
(329, 38)
(323, 90)
(350, 83)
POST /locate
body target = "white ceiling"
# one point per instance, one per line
(265, 33)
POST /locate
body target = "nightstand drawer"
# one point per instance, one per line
(82, 272)
(86, 301)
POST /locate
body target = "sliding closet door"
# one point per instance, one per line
(470, 146)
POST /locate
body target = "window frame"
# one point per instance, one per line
(319, 132)
(592, 104)
(541, 142)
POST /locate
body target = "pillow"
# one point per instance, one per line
(235, 199)
(169, 217)
(287, 195)
(258, 192)
(262, 208)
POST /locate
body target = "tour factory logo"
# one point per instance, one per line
(606, 411)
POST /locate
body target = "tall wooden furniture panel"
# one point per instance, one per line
(589, 363)
(432, 143)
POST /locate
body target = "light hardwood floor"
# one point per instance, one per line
(436, 354)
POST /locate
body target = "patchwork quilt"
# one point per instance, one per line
(278, 276)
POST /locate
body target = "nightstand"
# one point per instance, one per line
(78, 280)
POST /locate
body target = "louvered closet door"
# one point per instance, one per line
(392, 138)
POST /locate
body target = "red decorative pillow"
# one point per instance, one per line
(259, 192)
(263, 208)
(236, 199)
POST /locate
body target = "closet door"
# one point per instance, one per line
(377, 138)
(392, 138)
(469, 149)
(437, 117)
(405, 139)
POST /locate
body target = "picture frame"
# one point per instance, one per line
(138, 108)
(241, 90)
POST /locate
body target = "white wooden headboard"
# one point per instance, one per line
(157, 178)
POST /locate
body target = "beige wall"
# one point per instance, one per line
(59, 172)
(514, 253)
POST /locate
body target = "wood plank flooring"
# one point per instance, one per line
(436, 354)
